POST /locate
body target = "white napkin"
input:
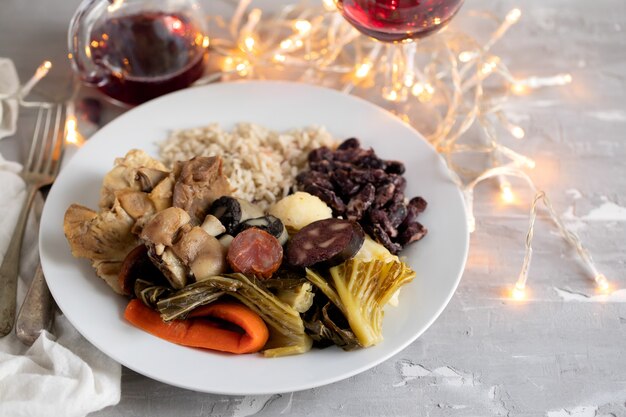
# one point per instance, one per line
(62, 376)
(9, 86)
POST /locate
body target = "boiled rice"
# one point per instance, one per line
(261, 164)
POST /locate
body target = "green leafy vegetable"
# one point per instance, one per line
(300, 297)
(360, 289)
(149, 293)
(323, 329)
(182, 302)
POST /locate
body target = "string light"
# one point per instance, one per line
(329, 5)
(519, 89)
(466, 56)
(390, 94)
(490, 65)
(228, 64)
(363, 70)
(242, 69)
(513, 16)
(249, 43)
(458, 65)
(602, 283)
(519, 292)
(286, 44)
(42, 71)
(302, 26)
(506, 192)
(517, 132)
(115, 5)
(418, 89)
(72, 136)
(537, 82)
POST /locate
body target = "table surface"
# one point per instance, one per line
(562, 352)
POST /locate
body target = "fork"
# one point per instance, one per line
(41, 168)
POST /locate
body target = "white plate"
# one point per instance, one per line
(96, 311)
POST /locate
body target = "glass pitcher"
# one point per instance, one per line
(135, 50)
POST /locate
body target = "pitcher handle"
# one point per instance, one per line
(79, 42)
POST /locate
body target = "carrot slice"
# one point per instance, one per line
(196, 332)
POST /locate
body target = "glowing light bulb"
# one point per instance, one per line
(565, 78)
(487, 68)
(205, 42)
(286, 44)
(506, 192)
(228, 64)
(519, 88)
(517, 132)
(249, 43)
(417, 89)
(302, 26)
(72, 136)
(602, 283)
(513, 16)
(466, 56)
(363, 69)
(177, 24)
(43, 69)
(70, 129)
(329, 5)
(279, 58)
(242, 69)
(519, 292)
(390, 94)
(115, 5)
(423, 92)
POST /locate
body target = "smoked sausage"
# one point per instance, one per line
(328, 242)
(256, 252)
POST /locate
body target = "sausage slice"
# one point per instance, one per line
(255, 252)
(329, 242)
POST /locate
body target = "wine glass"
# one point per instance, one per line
(401, 22)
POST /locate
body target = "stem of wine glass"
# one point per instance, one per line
(393, 89)
(402, 71)
(410, 49)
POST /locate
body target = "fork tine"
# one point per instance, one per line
(33, 143)
(60, 145)
(51, 155)
(45, 143)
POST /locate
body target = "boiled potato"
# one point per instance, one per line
(299, 210)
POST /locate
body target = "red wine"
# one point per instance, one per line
(147, 55)
(398, 20)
